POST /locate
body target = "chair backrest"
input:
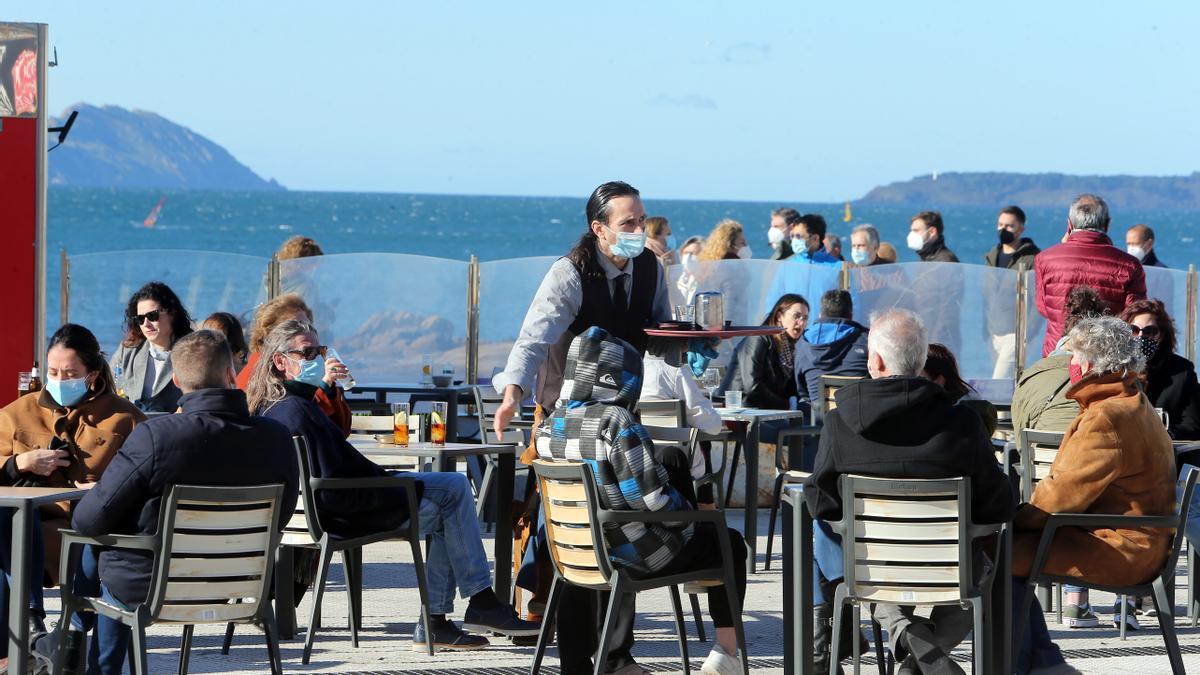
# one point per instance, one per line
(487, 401)
(216, 554)
(1037, 450)
(684, 437)
(1188, 479)
(372, 424)
(303, 528)
(573, 535)
(829, 387)
(663, 413)
(912, 539)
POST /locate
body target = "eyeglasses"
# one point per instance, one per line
(152, 315)
(1147, 331)
(308, 353)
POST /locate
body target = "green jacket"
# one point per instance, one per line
(1040, 400)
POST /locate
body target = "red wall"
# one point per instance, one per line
(18, 235)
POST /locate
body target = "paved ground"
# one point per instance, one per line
(391, 607)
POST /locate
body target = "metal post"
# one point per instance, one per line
(472, 354)
(64, 286)
(844, 277)
(274, 278)
(1022, 302)
(39, 253)
(1189, 348)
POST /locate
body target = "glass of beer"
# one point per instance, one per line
(437, 423)
(400, 423)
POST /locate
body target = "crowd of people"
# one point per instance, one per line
(173, 393)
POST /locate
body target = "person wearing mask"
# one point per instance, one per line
(62, 436)
(660, 240)
(808, 240)
(154, 320)
(779, 234)
(763, 365)
(1169, 379)
(727, 241)
(927, 236)
(1013, 250)
(691, 248)
(833, 245)
(1139, 243)
(865, 246)
(1010, 253)
(228, 325)
(835, 344)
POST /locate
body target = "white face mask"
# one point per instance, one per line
(775, 236)
(1136, 251)
(915, 241)
(744, 252)
(687, 258)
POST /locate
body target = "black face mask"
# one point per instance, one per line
(1007, 237)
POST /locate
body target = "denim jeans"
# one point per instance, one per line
(37, 563)
(1037, 650)
(828, 562)
(106, 633)
(456, 556)
(110, 642)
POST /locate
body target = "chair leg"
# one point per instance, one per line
(228, 641)
(737, 452)
(318, 591)
(856, 655)
(271, 630)
(556, 588)
(698, 617)
(1021, 620)
(680, 628)
(285, 604)
(185, 649)
(738, 627)
(980, 649)
(880, 660)
(138, 664)
(423, 591)
(839, 606)
(775, 498)
(352, 595)
(610, 625)
(1166, 622)
(1124, 608)
(1193, 600)
(1058, 605)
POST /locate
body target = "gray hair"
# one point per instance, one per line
(872, 234)
(1107, 343)
(1089, 212)
(266, 382)
(899, 338)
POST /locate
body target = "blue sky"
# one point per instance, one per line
(792, 101)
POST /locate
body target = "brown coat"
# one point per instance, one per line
(1116, 458)
(95, 429)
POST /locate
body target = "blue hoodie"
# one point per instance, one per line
(829, 347)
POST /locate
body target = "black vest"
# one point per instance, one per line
(597, 308)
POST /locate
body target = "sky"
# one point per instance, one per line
(760, 101)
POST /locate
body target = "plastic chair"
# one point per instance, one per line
(1036, 451)
(1161, 588)
(212, 564)
(574, 533)
(483, 469)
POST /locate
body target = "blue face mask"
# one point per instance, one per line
(859, 256)
(67, 392)
(628, 245)
(799, 246)
(670, 242)
(312, 372)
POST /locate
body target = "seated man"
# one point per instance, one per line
(594, 422)
(833, 345)
(900, 425)
(446, 511)
(213, 441)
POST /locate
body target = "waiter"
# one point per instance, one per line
(608, 280)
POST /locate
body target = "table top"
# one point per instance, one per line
(758, 414)
(14, 496)
(369, 445)
(409, 387)
(726, 332)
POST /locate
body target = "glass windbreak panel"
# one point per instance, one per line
(205, 281)
(506, 289)
(1035, 323)
(1170, 286)
(385, 312)
(972, 309)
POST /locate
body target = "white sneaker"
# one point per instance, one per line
(1131, 622)
(720, 663)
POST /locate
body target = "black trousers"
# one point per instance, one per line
(581, 614)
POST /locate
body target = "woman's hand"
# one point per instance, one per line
(334, 371)
(85, 485)
(42, 462)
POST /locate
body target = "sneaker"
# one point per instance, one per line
(1080, 616)
(502, 619)
(1131, 622)
(42, 653)
(720, 663)
(446, 636)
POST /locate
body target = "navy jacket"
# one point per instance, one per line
(829, 347)
(214, 441)
(344, 513)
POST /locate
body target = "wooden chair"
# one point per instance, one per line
(1037, 450)
(212, 564)
(574, 532)
(910, 542)
(1160, 588)
(372, 424)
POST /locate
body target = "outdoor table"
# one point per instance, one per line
(22, 500)
(753, 417)
(449, 395)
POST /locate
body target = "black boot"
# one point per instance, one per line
(849, 630)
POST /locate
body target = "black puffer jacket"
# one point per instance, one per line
(757, 372)
(1172, 386)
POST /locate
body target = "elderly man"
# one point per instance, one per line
(1087, 257)
(778, 235)
(1139, 243)
(898, 424)
(864, 246)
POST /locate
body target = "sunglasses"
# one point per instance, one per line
(308, 353)
(1148, 331)
(139, 319)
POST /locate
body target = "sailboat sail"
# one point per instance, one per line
(153, 217)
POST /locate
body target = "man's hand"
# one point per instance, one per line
(508, 409)
(334, 371)
(41, 462)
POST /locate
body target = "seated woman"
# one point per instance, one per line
(62, 436)
(455, 557)
(1169, 379)
(1115, 458)
(154, 320)
(289, 306)
(228, 325)
(942, 368)
(762, 366)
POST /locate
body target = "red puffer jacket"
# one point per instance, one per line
(1087, 258)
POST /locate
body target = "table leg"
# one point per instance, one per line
(507, 463)
(751, 496)
(18, 602)
(804, 554)
(791, 631)
(1002, 609)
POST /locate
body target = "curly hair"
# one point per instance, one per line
(181, 321)
(719, 243)
(298, 246)
(1166, 327)
(272, 313)
(1107, 343)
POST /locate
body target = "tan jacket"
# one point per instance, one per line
(95, 429)
(1116, 458)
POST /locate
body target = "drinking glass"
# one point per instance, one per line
(400, 423)
(711, 381)
(23, 379)
(437, 423)
(1162, 415)
(426, 369)
(733, 398)
(685, 313)
(347, 380)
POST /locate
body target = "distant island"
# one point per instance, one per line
(113, 147)
(1040, 189)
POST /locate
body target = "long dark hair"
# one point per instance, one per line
(940, 362)
(81, 340)
(1166, 328)
(584, 253)
(181, 321)
(231, 328)
(786, 300)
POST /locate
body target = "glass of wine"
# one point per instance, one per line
(347, 380)
(711, 381)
